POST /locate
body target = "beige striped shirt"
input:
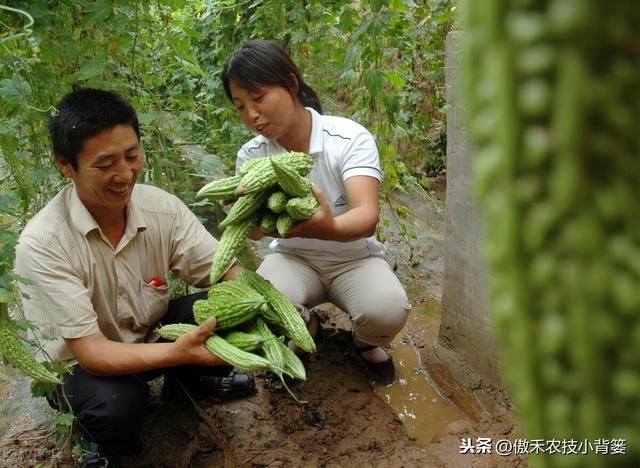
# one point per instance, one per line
(82, 285)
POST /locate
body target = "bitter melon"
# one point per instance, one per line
(230, 241)
(284, 223)
(228, 311)
(288, 317)
(20, 175)
(244, 208)
(302, 207)
(277, 201)
(219, 347)
(300, 161)
(243, 340)
(272, 350)
(221, 189)
(290, 181)
(268, 222)
(14, 351)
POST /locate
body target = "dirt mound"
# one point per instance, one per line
(342, 422)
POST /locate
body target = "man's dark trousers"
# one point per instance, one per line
(109, 410)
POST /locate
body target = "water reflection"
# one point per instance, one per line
(423, 411)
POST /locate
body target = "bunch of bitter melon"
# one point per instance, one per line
(250, 313)
(272, 193)
(553, 103)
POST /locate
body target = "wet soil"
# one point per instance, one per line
(348, 418)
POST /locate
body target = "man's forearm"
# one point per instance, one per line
(100, 356)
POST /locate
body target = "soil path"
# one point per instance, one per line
(343, 423)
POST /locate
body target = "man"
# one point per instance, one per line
(99, 255)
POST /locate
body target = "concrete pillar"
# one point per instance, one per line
(466, 359)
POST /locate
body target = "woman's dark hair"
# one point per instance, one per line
(83, 114)
(261, 62)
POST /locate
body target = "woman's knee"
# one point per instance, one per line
(379, 324)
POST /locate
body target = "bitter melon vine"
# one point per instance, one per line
(553, 103)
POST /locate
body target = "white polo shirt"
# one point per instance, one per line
(340, 148)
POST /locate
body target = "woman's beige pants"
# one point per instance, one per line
(367, 289)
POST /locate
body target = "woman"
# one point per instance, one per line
(334, 256)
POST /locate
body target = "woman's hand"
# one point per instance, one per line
(256, 234)
(191, 345)
(321, 225)
(358, 222)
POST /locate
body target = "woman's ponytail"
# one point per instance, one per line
(308, 97)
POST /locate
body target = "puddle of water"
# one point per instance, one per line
(423, 411)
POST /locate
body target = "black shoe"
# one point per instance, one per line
(92, 458)
(235, 385)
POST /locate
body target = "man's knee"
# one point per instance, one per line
(114, 409)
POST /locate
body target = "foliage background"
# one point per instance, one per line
(379, 62)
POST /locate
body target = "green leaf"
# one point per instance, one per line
(402, 211)
(40, 389)
(97, 12)
(350, 57)
(401, 5)
(8, 129)
(373, 81)
(64, 423)
(173, 3)
(364, 27)
(77, 451)
(89, 70)
(15, 90)
(190, 67)
(206, 163)
(376, 5)
(5, 295)
(191, 116)
(350, 78)
(395, 79)
(146, 118)
(347, 19)
(391, 103)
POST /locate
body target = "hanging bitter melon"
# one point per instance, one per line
(553, 103)
(14, 351)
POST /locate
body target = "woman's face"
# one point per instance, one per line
(270, 110)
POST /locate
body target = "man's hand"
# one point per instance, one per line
(191, 345)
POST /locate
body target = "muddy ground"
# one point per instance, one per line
(343, 423)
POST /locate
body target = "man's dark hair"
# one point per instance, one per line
(261, 62)
(85, 113)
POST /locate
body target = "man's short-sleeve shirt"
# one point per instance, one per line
(82, 285)
(340, 148)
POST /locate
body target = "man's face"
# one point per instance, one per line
(108, 167)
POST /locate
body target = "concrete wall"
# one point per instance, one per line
(465, 353)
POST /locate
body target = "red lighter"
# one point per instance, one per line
(155, 282)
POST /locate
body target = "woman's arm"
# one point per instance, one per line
(358, 222)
